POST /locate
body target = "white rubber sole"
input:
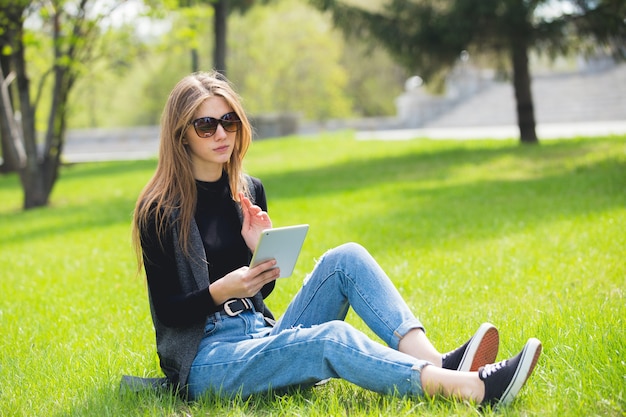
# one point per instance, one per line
(482, 349)
(530, 355)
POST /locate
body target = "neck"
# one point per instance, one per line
(208, 174)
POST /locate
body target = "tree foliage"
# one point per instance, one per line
(72, 29)
(286, 59)
(426, 36)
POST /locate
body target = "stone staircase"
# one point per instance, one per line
(590, 96)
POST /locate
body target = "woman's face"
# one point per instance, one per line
(209, 154)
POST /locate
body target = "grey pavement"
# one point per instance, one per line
(544, 131)
(567, 105)
(137, 147)
(92, 145)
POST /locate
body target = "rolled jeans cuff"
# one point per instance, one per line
(403, 329)
(416, 377)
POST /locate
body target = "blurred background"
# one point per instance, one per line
(87, 80)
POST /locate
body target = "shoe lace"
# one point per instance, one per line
(494, 367)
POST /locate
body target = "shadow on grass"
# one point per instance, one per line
(423, 199)
(86, 170)
(108, 401)
(65, 220)
(335, 398)
(488, 209)
(90, 170)
(99, 208)
(418, 166)
(557, 182)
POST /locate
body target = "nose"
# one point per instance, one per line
(220, 132)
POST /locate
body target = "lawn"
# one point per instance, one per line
(530, 238)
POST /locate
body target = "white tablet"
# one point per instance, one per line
(283, 244)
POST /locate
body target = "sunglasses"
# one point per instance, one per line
(205, 127)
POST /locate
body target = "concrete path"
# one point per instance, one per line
(544, 131)
(138, 146)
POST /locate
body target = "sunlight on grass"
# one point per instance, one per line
(529, 238)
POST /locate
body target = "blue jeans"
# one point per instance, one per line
(310, 342)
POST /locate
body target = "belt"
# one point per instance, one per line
(236, 306)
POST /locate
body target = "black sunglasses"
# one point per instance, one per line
(205, 127)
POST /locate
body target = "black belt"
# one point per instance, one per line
(236, 306)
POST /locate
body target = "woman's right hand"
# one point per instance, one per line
(243, 282)
(255, 220)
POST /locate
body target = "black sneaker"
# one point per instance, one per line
(504, 380)
(480, 350)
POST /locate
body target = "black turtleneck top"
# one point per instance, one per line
(220, 227)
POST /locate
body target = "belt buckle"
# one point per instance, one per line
(229, 311)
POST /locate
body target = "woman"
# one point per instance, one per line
(196, 224)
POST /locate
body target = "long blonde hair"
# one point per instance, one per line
(172, 187)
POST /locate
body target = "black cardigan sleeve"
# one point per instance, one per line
(173, 307)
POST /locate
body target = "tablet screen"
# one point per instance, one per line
(283, 244)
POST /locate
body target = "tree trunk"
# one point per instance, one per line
(56, 129)
(10, 157)
(523, 94)
(195, 60)
(9, 164)
(35, 194)
(219, 52)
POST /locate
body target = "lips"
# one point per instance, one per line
(222, 149)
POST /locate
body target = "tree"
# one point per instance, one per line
(221, 11)
(220, 21)
(74, 29)
(303, 75)
(428, 35)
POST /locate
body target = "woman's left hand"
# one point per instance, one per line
(255, 220)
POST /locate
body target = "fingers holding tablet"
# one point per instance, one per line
(282, 244)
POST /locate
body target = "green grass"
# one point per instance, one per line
(530, 238)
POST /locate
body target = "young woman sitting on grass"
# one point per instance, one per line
(196, 224)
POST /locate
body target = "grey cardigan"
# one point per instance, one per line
(178, 346)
